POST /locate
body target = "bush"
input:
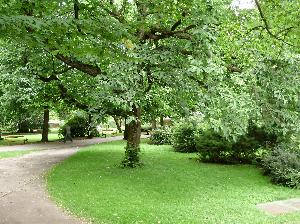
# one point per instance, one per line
(161, 136)
(184, 138)
(213, 147)
(79, 127)
(283, 166)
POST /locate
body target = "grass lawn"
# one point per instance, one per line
(32, 138)
(13, 153)
(170, 188)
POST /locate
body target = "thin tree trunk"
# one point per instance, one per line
(153, 124)
(133, 141)
(45, 125)
(161, 121)
(90, 131)
(118, 122)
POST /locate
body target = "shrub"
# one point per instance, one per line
(283, 166)
(79, 126)
(184, 138)
(213, 147)
(161, 136)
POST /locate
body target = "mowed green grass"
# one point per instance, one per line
(32, 138)
(13, 153)
(169, 188)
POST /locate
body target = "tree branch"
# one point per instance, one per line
(91, 70)
(267, 26)
(157, 33)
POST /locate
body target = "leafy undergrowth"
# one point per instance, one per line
(13, 153)
(170, 188)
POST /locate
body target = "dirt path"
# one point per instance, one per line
(23, 198)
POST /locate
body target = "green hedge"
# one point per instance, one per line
(283, 166)
(79, 126)
(184, 137)
(213, 147)
(161, 136)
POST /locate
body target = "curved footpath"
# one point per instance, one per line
(23, 195)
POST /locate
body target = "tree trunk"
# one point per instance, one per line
(133, 141)
(90, 131)
(161, 121)
(45, 125)
(153, 124)
(118, 122)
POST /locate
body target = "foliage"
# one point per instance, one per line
(168, 183)
(131, 159)
(161, 136)
(283, 166)
(234, 66)
(79, 126)
(184, 137)
(213, 147)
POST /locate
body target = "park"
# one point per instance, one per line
(144, 111)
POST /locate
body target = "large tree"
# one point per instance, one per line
(129, 47)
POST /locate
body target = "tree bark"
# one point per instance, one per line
(118, 122)
(133, 140)
(161, 121)
(45, 125)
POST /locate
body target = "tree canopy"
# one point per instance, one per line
(137, 57)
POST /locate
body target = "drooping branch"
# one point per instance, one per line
(48, 79)
(233, 68)
(91, 70)
(157, 33)
(177, 24)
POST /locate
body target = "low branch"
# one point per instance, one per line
(91, 70)
(177, 24)
(157, 33)
(48, 79)
(233, 68)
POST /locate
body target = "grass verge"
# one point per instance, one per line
(170, 188)
(32, 138)
(14, 153)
